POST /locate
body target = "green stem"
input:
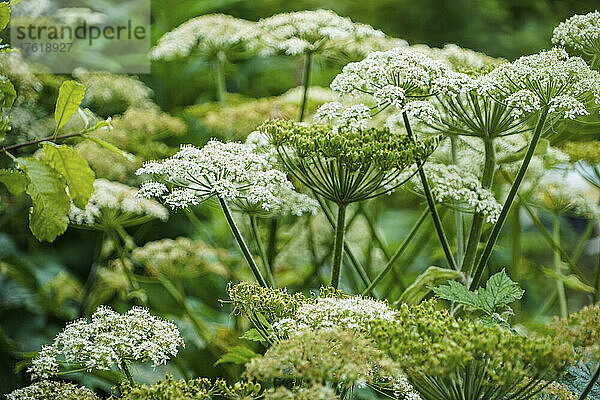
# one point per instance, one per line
(351, 256)
(584, 239)
(458, 215)
(491, 243)
(219, 66)
(516, 245)
(430, 201)
(121, 254)
(261, 250)
(398, 253)
(127, 373)
(272, 243)
(340, 230)
(560, 286)
(555, 246)
(242, 243)
(305, 84)
(487, 178)
(590, 384)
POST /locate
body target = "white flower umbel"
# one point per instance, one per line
(116, 204)
(582, 34)
(209, 34)
(551, 81)
(110, 339)
(231, 171)
(353, 313)
(453, 185)
(51, 390)
(312, 31)
(558, 195)
(561, 84)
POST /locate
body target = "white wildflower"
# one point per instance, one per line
(120, 203)
(50, 390)
(390, 94)
(210, 34)
(545, 77)
(423, 111)
(353, 313)
(110, 339)
(452, 184)
(580, 32)
(312, 31)
(355, 117)
(557, 194)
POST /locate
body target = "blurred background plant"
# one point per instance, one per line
(180, 268)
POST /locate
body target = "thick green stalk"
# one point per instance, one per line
(121, 254)
(516, 245)
(242, 243)
(590, 384)
(560, 286)
(458, 215)
(261, 250)
(491, 243)
(272, 242)
(340, 230)
(489, 167)
(351, 256)
(430, 201)
(219, 66)
(555, 246)
(398, 253)
(126, 371)
(305, 84)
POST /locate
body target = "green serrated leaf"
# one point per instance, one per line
(75, 170)
(15, 181)
(237, 355)
(500, 290)
(252, 335)
(4, 15)
(48, 218)
(422, 285)
(70, 95)
(454, 291)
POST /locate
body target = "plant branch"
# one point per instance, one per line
(242, 243)
(430, 201)
(261, 250)
(487, 251)
(340, 230)
(305, 84)
(37, 141)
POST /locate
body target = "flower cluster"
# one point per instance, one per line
(211, 34)
(114, 203)
(349, 313)
(463, 348)
(110, 339)
(460, 59)
(581, 33)
(452, 184)
(312, 31)
(328, 356)
(556, 194)
(312, 392)
(199, 388)
(180, 258)
(549, 80)
(581, 329)
(103, 89)
(231, 171)
(392, 77)
(50, 390)
(326, 159)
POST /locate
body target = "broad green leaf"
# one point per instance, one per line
(500, 290)
(4, 15)
(572, 281)
(237, 355)
(457, 292)
(7, 92)
(75, 170)
(70, 96)
(49, 216)
(252, 335)
(422, 285)
(15, 181)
